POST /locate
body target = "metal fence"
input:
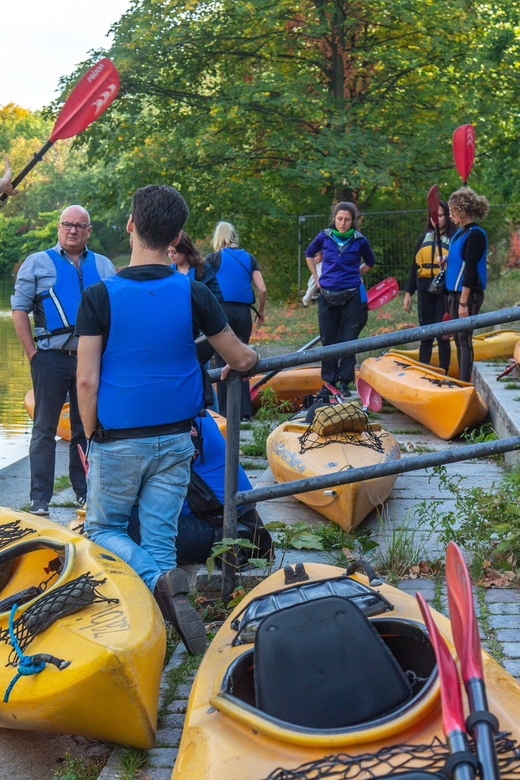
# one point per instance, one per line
(232, 498)
(393, 237)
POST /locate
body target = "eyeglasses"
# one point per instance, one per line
(78, 225)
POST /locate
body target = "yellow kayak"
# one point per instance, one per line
(63, 429)
(444, 405)
(486, 346)
(96, 617)
(286, 682)
(346, 505)
(292, 384)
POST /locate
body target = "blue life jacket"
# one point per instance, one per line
(57, 307)
(234, 276)
(363, 294)
(455, 264)
(190, 274)
(150, 375)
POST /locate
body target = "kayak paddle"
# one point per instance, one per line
(464, 150)
(434, 202)
(370, 398)
(93, 93)
(462, 763)
(382, 293)
(255, 389)
(481, 723)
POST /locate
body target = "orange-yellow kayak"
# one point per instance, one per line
(292, 384)
(486, 346)
(102, 620)
(233, 728)
(346, 505)
(63, 428)
(444, 405)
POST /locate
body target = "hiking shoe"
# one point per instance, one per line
(344, 389)
(81, 501)
(39, 507)
(171, 593)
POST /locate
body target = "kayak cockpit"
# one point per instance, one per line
(320, 669)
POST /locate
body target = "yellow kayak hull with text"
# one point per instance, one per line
(114, 647)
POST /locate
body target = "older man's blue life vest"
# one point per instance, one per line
(150, 375)
(455, 264)
(57, 307)
(234, 276)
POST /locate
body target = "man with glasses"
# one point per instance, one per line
(49, 284)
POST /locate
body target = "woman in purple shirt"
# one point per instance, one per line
(346, 257)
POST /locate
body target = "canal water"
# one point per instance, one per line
(15, 381)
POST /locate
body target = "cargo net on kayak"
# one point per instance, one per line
(343, 423)
(12, 532)
(58, 603)
(388, 761)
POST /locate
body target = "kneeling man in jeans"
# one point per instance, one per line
(139, 387)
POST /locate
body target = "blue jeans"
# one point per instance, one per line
(155, 470)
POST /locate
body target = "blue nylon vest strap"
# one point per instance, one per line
(234, 276)
(149, 370)
(60, 303)
(363, 293)
(455, 265)
(190, 274)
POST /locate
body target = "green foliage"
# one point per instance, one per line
(272, 412)
(131, 761)
(399, 550)
(297, 536)
(485, 523)
(79, 768)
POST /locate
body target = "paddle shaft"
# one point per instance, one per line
(458, 743)
(36, 158)
(482, 731)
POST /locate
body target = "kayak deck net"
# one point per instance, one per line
(12, 532)
(429, 759)
(345, 423)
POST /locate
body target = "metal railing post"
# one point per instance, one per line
(234, 392)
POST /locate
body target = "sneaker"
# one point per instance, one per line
(39, 507)
(81, 501)
(323, 395)
(171, 594)
(344, 389)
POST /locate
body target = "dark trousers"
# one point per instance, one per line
(239, 318)
(463, 341)
(337, 324)
(54, 376)
(432, 308)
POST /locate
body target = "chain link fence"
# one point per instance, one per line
(393, 236)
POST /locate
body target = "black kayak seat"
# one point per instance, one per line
(321, 664)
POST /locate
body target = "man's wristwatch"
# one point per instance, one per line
(464, 305)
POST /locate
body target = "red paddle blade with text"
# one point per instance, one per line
(92, 95)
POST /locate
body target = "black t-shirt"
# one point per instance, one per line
(93, 318)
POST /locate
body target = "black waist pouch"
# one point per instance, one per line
(339, 297)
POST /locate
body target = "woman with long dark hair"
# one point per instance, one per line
(346, 257)
(466, 268)
(428, 262)
(188, 260)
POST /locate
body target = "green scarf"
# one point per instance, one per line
(343, 236)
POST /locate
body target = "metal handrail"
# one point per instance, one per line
(232, 498)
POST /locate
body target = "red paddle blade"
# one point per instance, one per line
(83, 458)
(464, 150)
(369, 397)
(93, 93)
(462, 613)
(382, 293)
(452, 712)
(434, 201)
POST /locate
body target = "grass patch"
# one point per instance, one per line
(398, 551)
(252, 465)
(512, 385)
(61, 483)
(175, 677)
(79, 768)
(131, 761)
(408, 431)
